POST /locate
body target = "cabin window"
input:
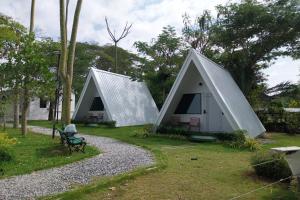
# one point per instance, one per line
(97, 105)
(189, 104)
(43, 103)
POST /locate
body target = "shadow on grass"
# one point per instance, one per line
(53, 151)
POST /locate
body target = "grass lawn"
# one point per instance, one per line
(36, 151)
(218, 173)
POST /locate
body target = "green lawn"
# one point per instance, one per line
(218, 173)
(36, 151)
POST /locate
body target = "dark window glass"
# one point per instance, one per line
(189, 104)
(43, 103)
(97, 105)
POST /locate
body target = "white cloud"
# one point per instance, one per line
(148, 18)
(284, 69)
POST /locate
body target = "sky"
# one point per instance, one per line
(147, 16)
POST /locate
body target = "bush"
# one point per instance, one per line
(145, 132)
(4, 156)
(5, 141)
(110, 124)
(271, 166)
(241, 140)
(171, 130)
(252, 144)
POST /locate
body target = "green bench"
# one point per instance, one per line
(73, 143)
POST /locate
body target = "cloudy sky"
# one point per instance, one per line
(148, 18)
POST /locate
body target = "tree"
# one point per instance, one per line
(116, 39)
(198, 34)
(30, 65)
(10, 34)
(162, 59)
(67, 57)
(25, 85)
(246, 37)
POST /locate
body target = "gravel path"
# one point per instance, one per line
(117, 157)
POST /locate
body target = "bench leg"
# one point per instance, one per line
(70, 149)
(83, 147)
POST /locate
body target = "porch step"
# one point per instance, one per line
(202, 138)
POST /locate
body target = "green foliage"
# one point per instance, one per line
(110, 124)
(10, 31)
(271, 166)
(145, 132)
(240, 140)
(252, 144)
(198, 34)
(238, 136)
(6, 142)
(160, 63)
(4, 156)
(169, 129)
(276, 119)
(292, 121)
(294, 103)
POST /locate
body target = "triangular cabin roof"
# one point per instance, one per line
(126, 101)
(226, 92)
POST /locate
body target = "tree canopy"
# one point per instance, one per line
(161, 61)
(246, 37)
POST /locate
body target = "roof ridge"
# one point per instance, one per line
(111, 73)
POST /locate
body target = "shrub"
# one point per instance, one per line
(241, 140)
(145, 132)
(5, 143)
(171, 130)
(252, 144)
(4, 156)
(271, 166)
(111, 124)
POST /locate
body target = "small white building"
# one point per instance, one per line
(108, 96)
(39, 109)
(206, 91)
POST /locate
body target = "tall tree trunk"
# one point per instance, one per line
(16, 104)
(32, 16)
(67, 59)
(25, 109)
(67, 101)
(26, 97)
(51, 111)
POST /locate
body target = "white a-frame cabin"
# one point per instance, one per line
(109, 96)
(206, 91)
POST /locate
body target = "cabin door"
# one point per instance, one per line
(213, 115)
